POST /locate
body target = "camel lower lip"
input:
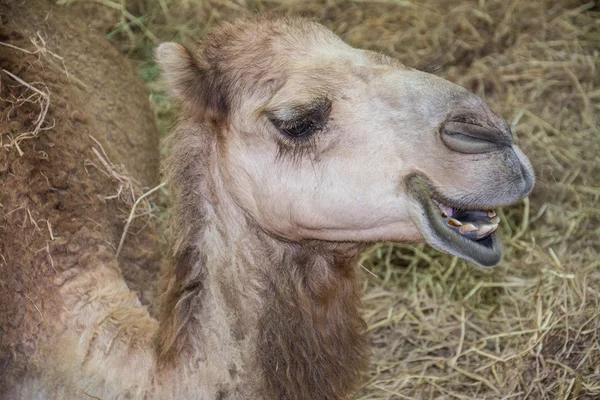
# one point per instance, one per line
(476, 242)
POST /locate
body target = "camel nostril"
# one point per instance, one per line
(472, 139)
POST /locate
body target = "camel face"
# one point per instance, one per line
(319, 140)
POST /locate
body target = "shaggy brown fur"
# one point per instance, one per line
(310, 337)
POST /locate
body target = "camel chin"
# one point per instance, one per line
(465, 230)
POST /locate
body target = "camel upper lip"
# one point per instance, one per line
(464, 230)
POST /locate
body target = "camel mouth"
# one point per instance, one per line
(475, 225)
(464, 230)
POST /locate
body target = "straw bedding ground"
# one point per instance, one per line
(439, 328)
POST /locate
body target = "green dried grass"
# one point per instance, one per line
(440, 328)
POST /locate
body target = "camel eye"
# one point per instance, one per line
(301, 121)
(299, 128)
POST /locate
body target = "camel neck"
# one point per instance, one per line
(255, 316)
(268, 319)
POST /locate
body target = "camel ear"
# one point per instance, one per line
(192, 81)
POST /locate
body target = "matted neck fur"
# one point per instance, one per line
(292, 151)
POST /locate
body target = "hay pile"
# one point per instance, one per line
(439, 328)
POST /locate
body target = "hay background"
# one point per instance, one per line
(440, 328)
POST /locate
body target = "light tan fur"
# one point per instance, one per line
(261, 296)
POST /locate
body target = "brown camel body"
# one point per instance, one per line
(292, 152)
(57, 218)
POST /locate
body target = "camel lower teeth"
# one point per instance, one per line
(472, 231)
(484, 230)
(477, 224)
(454, 222)
(467, 228)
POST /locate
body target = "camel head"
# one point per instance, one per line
(316, 140)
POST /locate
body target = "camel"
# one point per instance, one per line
(292, 153)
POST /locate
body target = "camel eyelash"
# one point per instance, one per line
(293, 121)
(295, 150)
